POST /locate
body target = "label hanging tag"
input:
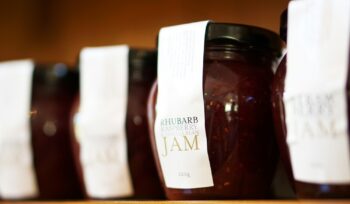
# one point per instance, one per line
(315, 90)
(17, 176)
(180, 122)
(101, 123)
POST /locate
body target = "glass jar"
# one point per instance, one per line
(277, 104)
(238, 71)
(145, 180)
(53, 93)
(303, 189)
(143, 71)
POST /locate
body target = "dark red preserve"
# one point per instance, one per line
(238, 72)
(277, 103)
(53, 92)
(142, 73)
(145, 181)
(303, 189)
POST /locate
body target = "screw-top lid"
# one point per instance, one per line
(55, 75)
(250, 36)
(142, 64)
(283, 25)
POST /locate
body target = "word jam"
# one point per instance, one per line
(313, 117)
(179, 144)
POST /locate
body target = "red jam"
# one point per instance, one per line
(303, 190)
(145, 180)
(53, 92)
(279, 116)
(277, 104)
(238, 64)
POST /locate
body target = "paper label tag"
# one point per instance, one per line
(17, 175)
(180, 122)
(101, 124)
(315, 90)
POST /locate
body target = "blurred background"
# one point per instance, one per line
(55, 30)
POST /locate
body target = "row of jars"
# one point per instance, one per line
(80, 145)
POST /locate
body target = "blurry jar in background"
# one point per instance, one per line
(277, 103)
(237, 73)
(145, 180)
(53, 91)
(142, 74)
(309, 189)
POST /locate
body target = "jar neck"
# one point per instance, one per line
(249, 54)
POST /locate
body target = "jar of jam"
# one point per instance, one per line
(303, 189)
(237, 74)
(145, 180)
(277, 103)
(142, 73)
(53, 92)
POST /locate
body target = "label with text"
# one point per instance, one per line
(315, 93)
(17, 175)
(180, 122)
(100, 123)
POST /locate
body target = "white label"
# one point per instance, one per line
(17, 176)
(101, 124)
(180, 123)
(315, 91)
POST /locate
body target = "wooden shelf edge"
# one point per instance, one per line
(186, 202)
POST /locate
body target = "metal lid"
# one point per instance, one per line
(283, 25)
(244, 35)
(142, 64)
(142, 57)
(55, 75)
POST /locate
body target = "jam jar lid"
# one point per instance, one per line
(55, 75)
(283, 25)
(142, 64)
(250, 36)
(142, 57)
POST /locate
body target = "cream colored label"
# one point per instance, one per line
(180, 122)
(17, 176)
(101, 121)
(315, 92)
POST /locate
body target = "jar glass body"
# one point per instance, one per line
(145, 180)
(144, 175)
(238, 120)
(303, 189)
(279, 116)
(53, 92)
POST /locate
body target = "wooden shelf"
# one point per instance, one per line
(190, 202)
